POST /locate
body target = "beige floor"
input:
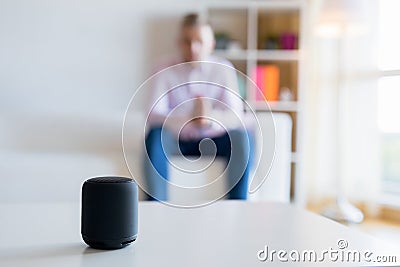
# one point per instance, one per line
(386, 227)
(382, 229)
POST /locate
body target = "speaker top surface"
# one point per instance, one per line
(109, 180)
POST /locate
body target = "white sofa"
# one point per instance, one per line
(46, 158)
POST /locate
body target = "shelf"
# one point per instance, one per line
(276, 55)
(283, 55)
(266, 33)
(232, 54)
(294, 158)
(283, 106)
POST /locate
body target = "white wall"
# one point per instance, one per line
(79, 56)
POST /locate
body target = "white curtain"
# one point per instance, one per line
(344, 150)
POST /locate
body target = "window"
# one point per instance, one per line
(389, 94)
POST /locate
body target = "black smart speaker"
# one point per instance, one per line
(109, 212)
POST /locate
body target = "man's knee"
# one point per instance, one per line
(240, 137)
(154, 132)
(157, 134)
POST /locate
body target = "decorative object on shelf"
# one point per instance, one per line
(288, 40)
(224, 42)
(271, 42)
(234, 45)
(285, 94)
(266, 78)
(221, 40)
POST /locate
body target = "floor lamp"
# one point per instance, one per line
(334, 24)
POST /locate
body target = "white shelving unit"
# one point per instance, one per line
(250, 24)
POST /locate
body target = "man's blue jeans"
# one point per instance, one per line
(235, 146)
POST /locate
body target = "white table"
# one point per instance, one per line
(227, 233)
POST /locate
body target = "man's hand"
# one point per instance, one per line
(199, 112)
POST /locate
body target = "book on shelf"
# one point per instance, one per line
(266, 78)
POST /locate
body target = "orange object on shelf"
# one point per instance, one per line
(266, 78)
